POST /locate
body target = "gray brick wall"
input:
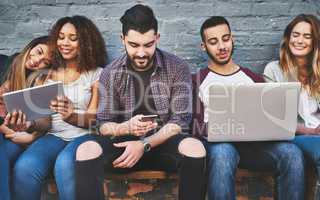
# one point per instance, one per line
(257, 24)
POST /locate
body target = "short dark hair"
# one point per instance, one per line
(139, 18)
(212, 22)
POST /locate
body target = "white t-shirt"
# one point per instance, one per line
(79, 92)
(238, 77)
(308, 106)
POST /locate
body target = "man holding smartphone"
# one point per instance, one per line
(142, 83)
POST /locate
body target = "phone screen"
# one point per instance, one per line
(147, 118)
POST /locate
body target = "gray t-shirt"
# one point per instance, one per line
(79, 92)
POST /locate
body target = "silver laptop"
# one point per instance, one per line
(253, 112)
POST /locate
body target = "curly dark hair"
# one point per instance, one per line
(92, 50)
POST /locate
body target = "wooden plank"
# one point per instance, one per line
(141, 175)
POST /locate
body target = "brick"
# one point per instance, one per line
(48, 13)
(238, 9)
(29, 2)
(267, 9)
(96, 11)
(306, 8)
(182, 11)
(30, 29)
(109, 26)
(113, 40)
(257, 38)
(255, 53)
(257, 24)
(8, 12)
(255, 66)
(91, 2)
(177, 27)
(191, 41)
(7, 28)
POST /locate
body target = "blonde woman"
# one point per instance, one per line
(35, 57)
(300, 61)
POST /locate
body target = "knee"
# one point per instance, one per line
(64, 162)
(292, 157)
(223, 156)
(192, 147)
(24, 168)
(293, 153)
(88, 150)
(222, 151)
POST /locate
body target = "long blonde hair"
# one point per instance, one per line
(17, 76)
(289, 64)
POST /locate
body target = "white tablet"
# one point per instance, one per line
(34, 101)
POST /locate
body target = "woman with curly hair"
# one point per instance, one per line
(78, 55)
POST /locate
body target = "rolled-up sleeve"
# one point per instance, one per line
(108, 102)
(181, 98)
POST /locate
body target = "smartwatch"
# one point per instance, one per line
(146, 145)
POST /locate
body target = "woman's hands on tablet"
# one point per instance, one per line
(62, 105)
(17, 121)
(15, 126)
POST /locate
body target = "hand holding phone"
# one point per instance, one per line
(140, 125)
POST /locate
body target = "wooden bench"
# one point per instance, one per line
(243, 190)
(135, 185)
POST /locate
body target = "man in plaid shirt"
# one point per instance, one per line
(145, 81)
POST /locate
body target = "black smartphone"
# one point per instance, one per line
(147, 118)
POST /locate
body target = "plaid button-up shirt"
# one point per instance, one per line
(170, 86)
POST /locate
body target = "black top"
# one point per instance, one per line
(143, 94)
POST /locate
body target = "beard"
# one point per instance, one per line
(136, 65)
(215, 60)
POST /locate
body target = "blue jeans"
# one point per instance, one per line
(283, 158)
(310, 145)
(9, 153)
(35, 164)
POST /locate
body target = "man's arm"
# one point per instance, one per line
(108, 106)
(164, 134)
(134, 126)
(180, 108)
(113, 129)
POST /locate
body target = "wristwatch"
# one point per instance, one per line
(146, 145)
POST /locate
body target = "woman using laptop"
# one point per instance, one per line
(300, 61)
(78, 53)
(15, 132)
